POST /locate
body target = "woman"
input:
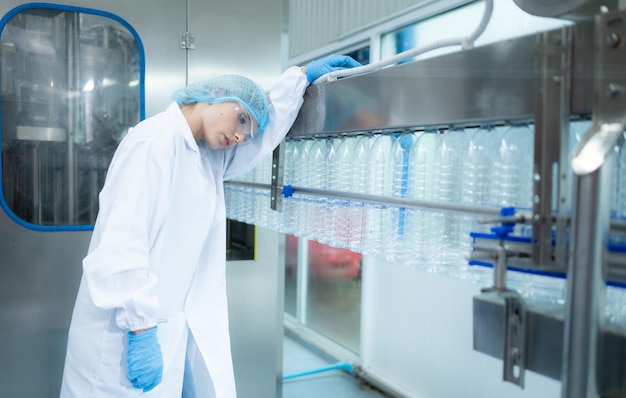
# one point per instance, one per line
(151, 312)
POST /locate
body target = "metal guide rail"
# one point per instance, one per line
(518, 249)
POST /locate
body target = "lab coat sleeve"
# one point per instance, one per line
(286, 97)
(133, 204)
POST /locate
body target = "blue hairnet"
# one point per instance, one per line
(228, 88)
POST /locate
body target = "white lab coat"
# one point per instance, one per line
(158, 255)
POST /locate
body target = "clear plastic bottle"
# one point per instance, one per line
(448, 179)
(263, 175)
(242, 202)
(245, 202)
(380, 169)
(301, 180)
(230, 198)
(477, 178)
(398, 236)
(292, 175)
(327, 182)
(477, 170)
(421, 187)
(358, 184)
(316, 167)
(513, 173)
(342, 177)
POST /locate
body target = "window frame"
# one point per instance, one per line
(65, 8)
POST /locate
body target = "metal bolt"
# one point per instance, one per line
(612, 90)
(614, 40)
(515, 353)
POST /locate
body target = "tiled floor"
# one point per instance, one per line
(299, 359)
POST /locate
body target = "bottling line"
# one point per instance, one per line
(549, 80)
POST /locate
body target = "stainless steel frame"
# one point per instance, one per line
(494, 83)
(545, 343)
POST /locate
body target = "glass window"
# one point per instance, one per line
(507, 21)
(399, 41)
(334, 293)
(362, 55)
(331, 293)
(70, 90)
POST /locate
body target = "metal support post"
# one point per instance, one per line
(278, 159)
(551, 136)
(593, 167)
(585, 286)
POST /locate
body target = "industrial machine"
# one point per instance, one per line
(551, 81)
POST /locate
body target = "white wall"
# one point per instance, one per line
(417, 335)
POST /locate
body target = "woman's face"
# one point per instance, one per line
(221, 125)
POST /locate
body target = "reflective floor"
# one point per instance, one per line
(299, 359)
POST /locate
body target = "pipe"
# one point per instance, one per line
(465, 42)
(499, 272)
(338, 366)
(585, 284)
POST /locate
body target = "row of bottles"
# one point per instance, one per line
(488, 166)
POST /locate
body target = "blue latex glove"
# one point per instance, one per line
(145, 362)
(319, 67)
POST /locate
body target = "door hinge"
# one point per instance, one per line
(188, 40)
